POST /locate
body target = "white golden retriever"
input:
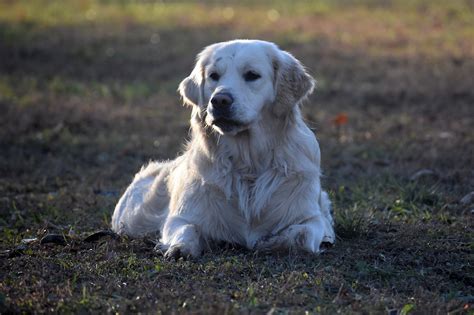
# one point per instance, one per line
(251, 172)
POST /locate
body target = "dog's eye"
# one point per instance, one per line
(214, 76)
(251, 76)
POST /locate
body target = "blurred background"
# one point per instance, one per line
(88, 94)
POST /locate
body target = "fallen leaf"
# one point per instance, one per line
(407, 308)
(340, 119)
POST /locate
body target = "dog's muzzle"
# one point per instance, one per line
(221, 112)
(221, 106)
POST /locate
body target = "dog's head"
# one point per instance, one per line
(234, 82)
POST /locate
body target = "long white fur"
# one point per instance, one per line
(257, 185)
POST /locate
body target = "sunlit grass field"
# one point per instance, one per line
(88, 94)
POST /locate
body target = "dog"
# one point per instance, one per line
(250, 174)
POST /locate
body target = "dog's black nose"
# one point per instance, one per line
(222, 101)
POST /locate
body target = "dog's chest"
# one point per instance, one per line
(247, 198)
(251, 197)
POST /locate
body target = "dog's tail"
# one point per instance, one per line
(326, 210)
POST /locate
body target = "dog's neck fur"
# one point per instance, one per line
(250, 166)
(251, 151)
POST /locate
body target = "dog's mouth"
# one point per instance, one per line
(226, 124)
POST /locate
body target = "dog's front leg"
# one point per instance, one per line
(180, 238)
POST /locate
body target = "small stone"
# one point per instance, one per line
(423, 173)
(58, 239)
(467, 199)
(100, 234)
(29, 240)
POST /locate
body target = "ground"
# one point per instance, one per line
(88, 95)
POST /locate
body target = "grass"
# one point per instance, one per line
(88, 94)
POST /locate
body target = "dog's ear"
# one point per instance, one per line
(292, 83)
(192, 87)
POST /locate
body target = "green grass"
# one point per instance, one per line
(404, 27)
(88, 95)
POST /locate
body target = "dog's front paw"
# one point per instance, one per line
(271, 243)
(177, 251)
(303, 237)
(161, 248)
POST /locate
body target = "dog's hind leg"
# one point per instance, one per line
(142, 209)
